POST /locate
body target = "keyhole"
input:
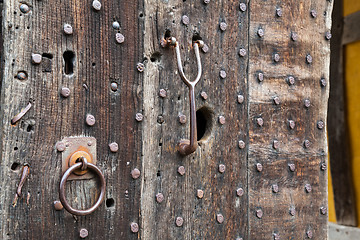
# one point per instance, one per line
(203, 122)
(69, 58)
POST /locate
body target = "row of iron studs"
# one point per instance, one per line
(135, 173)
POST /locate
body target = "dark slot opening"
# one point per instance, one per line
(69, 59)
(203, 122)
(110, 202)
(15, 166)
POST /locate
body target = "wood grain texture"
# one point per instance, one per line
(338, 132)
(151, 145)
(276, 219)
(161, 159)
(99, 60)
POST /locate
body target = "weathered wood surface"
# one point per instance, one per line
(220, 144)
(338, 133)
(351, 32)
(151, 145)
(291, 123)
(99, 61)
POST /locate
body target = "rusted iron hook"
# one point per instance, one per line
(186, 146)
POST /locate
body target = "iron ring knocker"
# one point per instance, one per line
(186, 146)
(83, 165)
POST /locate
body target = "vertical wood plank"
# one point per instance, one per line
(99, 61)
(340, 159)
(219, 145)
(279, 205)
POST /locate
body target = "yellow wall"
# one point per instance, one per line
(352, 84)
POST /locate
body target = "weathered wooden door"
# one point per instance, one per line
(99, 77)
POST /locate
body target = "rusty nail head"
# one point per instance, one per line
(241, 144)
(135, 173)
(182, 118)
(260, 76)
(206, 1)
(275, 188)
(90, 120)
(320, 124)
(58, 205)
(276, 57)
(68, 29)
(200, 193)
(113, 86)
(291, 167)
(139, 117)
(219, 218)
(309, 234)
(308, 188)
(323, 210)
(140, 67)
(242, 7)
(204, 95)
(323, 82)
(306, 143)
(223, 26)
(328, 35)
(36, 58)
(292, 211)
(307, 103)
(60, 146)
(239, 192)
(222, 120)
(260, 32)
(240, 98)
(134, 227)
(276, 100)
(221, 168)
(96, 5)
(65, 92)
(259, 167)
(276, 144)
(260, 122)
(114, 147)
(181, 170)
(21, 75)
(291, 124)
(294, 36)
(185, 20)
(259, 213)
(291, 80)
(159, 197)
(162, 93)
(313, 13)
(278, 12)
(179, 221)
(309, 59)
(83, 233)
(119, 38)
(24, 8)
(242, 52)
(323, 166)
(116, 25)
(160, 119)
(205, 48)
(222, 74)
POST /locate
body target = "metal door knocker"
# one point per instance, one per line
(186, 146)
(82, 165)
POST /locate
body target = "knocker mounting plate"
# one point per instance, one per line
(78, 147)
